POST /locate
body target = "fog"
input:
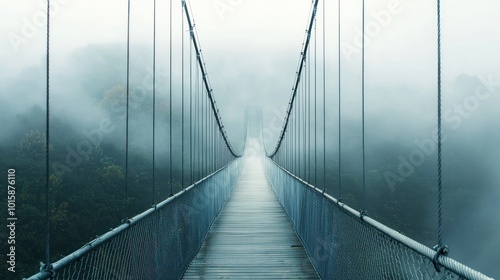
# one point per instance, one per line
(251, 50)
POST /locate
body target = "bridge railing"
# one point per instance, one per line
(156, 244)
(344, 244)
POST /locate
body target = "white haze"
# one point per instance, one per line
(251, 51)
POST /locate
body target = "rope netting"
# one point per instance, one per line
(342, 244)
(157, 244)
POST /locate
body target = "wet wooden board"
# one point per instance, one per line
(252, 238)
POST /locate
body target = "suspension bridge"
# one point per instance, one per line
(254, 214)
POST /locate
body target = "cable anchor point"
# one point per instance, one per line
(49, 268)
(363, 214)
(440, 250)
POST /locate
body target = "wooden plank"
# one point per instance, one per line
(252, 238)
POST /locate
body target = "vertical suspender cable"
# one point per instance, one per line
(198, 136)
(309, 117)
(300, 132)
(182, 96)
(198, 127)
(303, 120)
(295, 153)
(154, 98)
(215, 141)
(315, 103)
(207, 139)
(203, 136)
(191, 142)
(214, 146)
(170, 97)
(440, 248)
(195, 128)
(207, 135)
(297, 132)
(324, 97)
(340, 104)
(363, 103)
(294, 132)
(304, 115)
(210, 145)
(195, 122)
(47, 146)
(306, 96)
(440, 241)
(217, 149)
(303, 134)
(304, 111)
(153, 194)
(127, 112)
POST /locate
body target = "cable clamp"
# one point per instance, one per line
(363, 214)
(440, 250)
(48, 268)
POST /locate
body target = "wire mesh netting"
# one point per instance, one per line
(157, 244)
(341, 245)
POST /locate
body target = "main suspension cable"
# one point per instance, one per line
(297, 79)
(206, 82)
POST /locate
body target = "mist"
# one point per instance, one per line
(251, 51)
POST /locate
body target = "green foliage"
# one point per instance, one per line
(33, 143)
(85, 202)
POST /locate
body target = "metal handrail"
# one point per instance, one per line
(444, 261)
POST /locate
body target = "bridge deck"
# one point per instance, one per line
(252, 238)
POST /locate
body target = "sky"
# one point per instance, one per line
(251, 49)
(253, 42)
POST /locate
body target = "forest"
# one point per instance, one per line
(87, 156)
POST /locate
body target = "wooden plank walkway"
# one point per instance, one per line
(252, 238)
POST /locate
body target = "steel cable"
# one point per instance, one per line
(47, 145)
